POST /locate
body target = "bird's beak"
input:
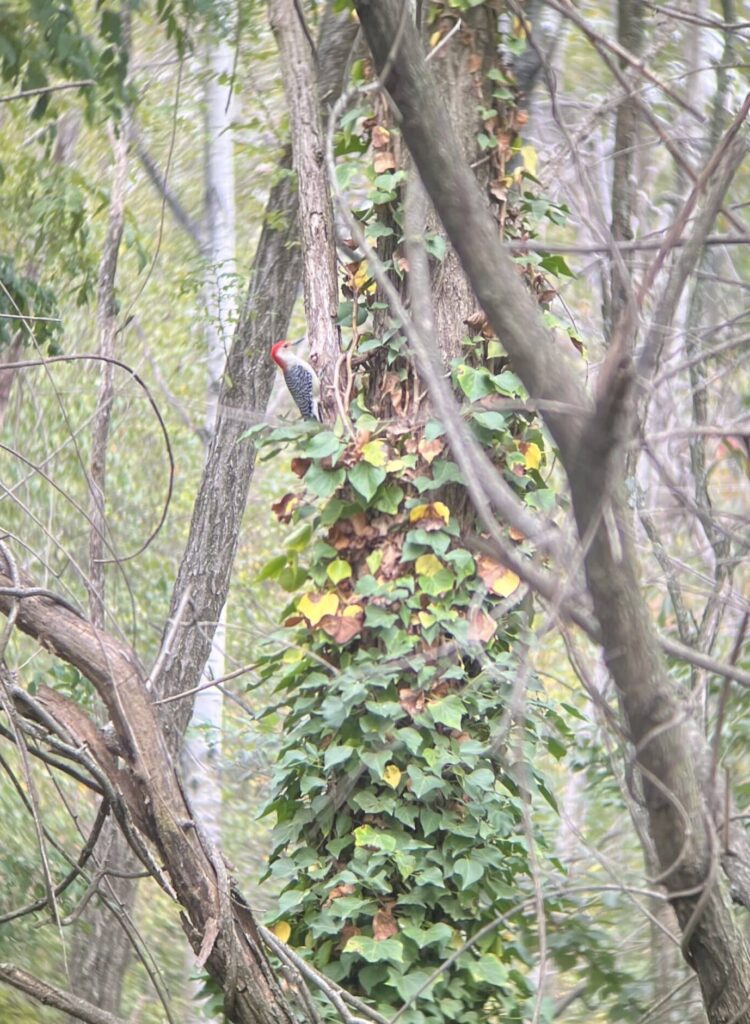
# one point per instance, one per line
(298, 341)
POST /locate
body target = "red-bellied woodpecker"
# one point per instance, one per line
(300, 378)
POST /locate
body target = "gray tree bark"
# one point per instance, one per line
(316, 230)
(671, 756)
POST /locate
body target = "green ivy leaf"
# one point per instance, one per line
(272, 568)
(339, 570)
(388, 500)
(491, 969)
(336, 755)
(469, 871)
(322, 445)
(423, 784)
(324, 482)
(365, 479)
(491, 420)
(375, 951)
(367, 836)
(449, 711)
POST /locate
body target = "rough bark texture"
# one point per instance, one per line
(460, 71)
(630, 31)
(246, 386)
(454, 193)
(220, 929)
(220, 504)
(315, 212)
(669, 752)
(101, 948)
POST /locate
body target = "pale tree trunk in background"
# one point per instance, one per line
(102, 948)
(201, 756)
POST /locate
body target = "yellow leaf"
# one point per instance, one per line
(435, 38)
(315, 606)
(530, 159)
(394, 465)
(426, 619)
(375, 453)
(362, 276)
(338, 570)
(417, 513)
(428, 565)
(439, 509)
(391, 775)
(532, 455)
(282, 930)
(504, 585)
(352, 610)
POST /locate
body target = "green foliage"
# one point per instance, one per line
(398, 793)
(49, 36)
(21, 296)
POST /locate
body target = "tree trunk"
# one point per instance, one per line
(671, 756)
(201, 755)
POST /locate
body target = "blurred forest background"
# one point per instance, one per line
(415, 765)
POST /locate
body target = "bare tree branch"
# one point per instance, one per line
(106, 315)
(48, 995)
(670, 754)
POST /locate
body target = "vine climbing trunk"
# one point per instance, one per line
(670, 752)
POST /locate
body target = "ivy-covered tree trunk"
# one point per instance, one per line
(401, 832)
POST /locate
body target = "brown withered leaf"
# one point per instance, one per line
(515, 534)
(342, 628)
(300, 466)
(499, 190)
(482, 627)
(346, 889)
(384, 161)
(496, 577)
(393, 388)
(381, 137)
(412, 701)
(284, 507)
(347, 932)
(384, 925)
(474, 64)
(360, 526)
(429, 450)
(478, 323)
(390, 564)
(294, 620)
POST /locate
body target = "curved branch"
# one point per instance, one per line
(49, 995)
